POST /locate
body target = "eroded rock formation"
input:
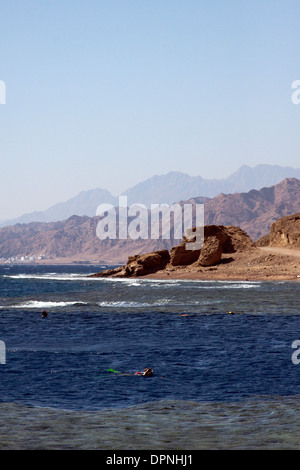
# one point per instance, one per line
(286, 231)
(217, 240)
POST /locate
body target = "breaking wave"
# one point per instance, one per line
(40, 304)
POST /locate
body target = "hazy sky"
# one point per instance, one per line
(107, 93)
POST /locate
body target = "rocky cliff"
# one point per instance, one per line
(286, 232)
(217, 240)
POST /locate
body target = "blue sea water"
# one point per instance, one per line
(97, 324)
(181, 329)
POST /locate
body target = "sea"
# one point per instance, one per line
(224, 355)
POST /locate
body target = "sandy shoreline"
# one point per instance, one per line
(258, 264)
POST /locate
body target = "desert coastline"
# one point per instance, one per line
(256, 265)
(74, 241)
(259, 264)
(150, 228)
(228, 253)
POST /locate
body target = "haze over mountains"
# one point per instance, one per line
(76, 239)
(169, 188)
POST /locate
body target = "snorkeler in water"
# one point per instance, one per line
(148, 372)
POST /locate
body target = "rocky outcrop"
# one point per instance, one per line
(217, 240)
(286, 231)
(139, 265)
(211, 252)
(263, 241)
(180, 256)
(237, 240)
(214, 238)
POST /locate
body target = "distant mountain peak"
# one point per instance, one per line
(166, 188)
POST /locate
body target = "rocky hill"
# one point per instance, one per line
(227, 253)
(218, 240)
(286, 232)
(75, 239)
(70, 240)
(256, 210)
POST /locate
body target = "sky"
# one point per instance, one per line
(108, 93)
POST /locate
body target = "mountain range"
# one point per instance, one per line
(76, 239)
(159, 189)
(254, 211)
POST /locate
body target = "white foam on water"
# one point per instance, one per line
(49, 277)
(134, 282)
(40, 304)
(123, 304)
(133, 304)
(197, 283)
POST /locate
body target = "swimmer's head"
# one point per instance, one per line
(148, 372)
